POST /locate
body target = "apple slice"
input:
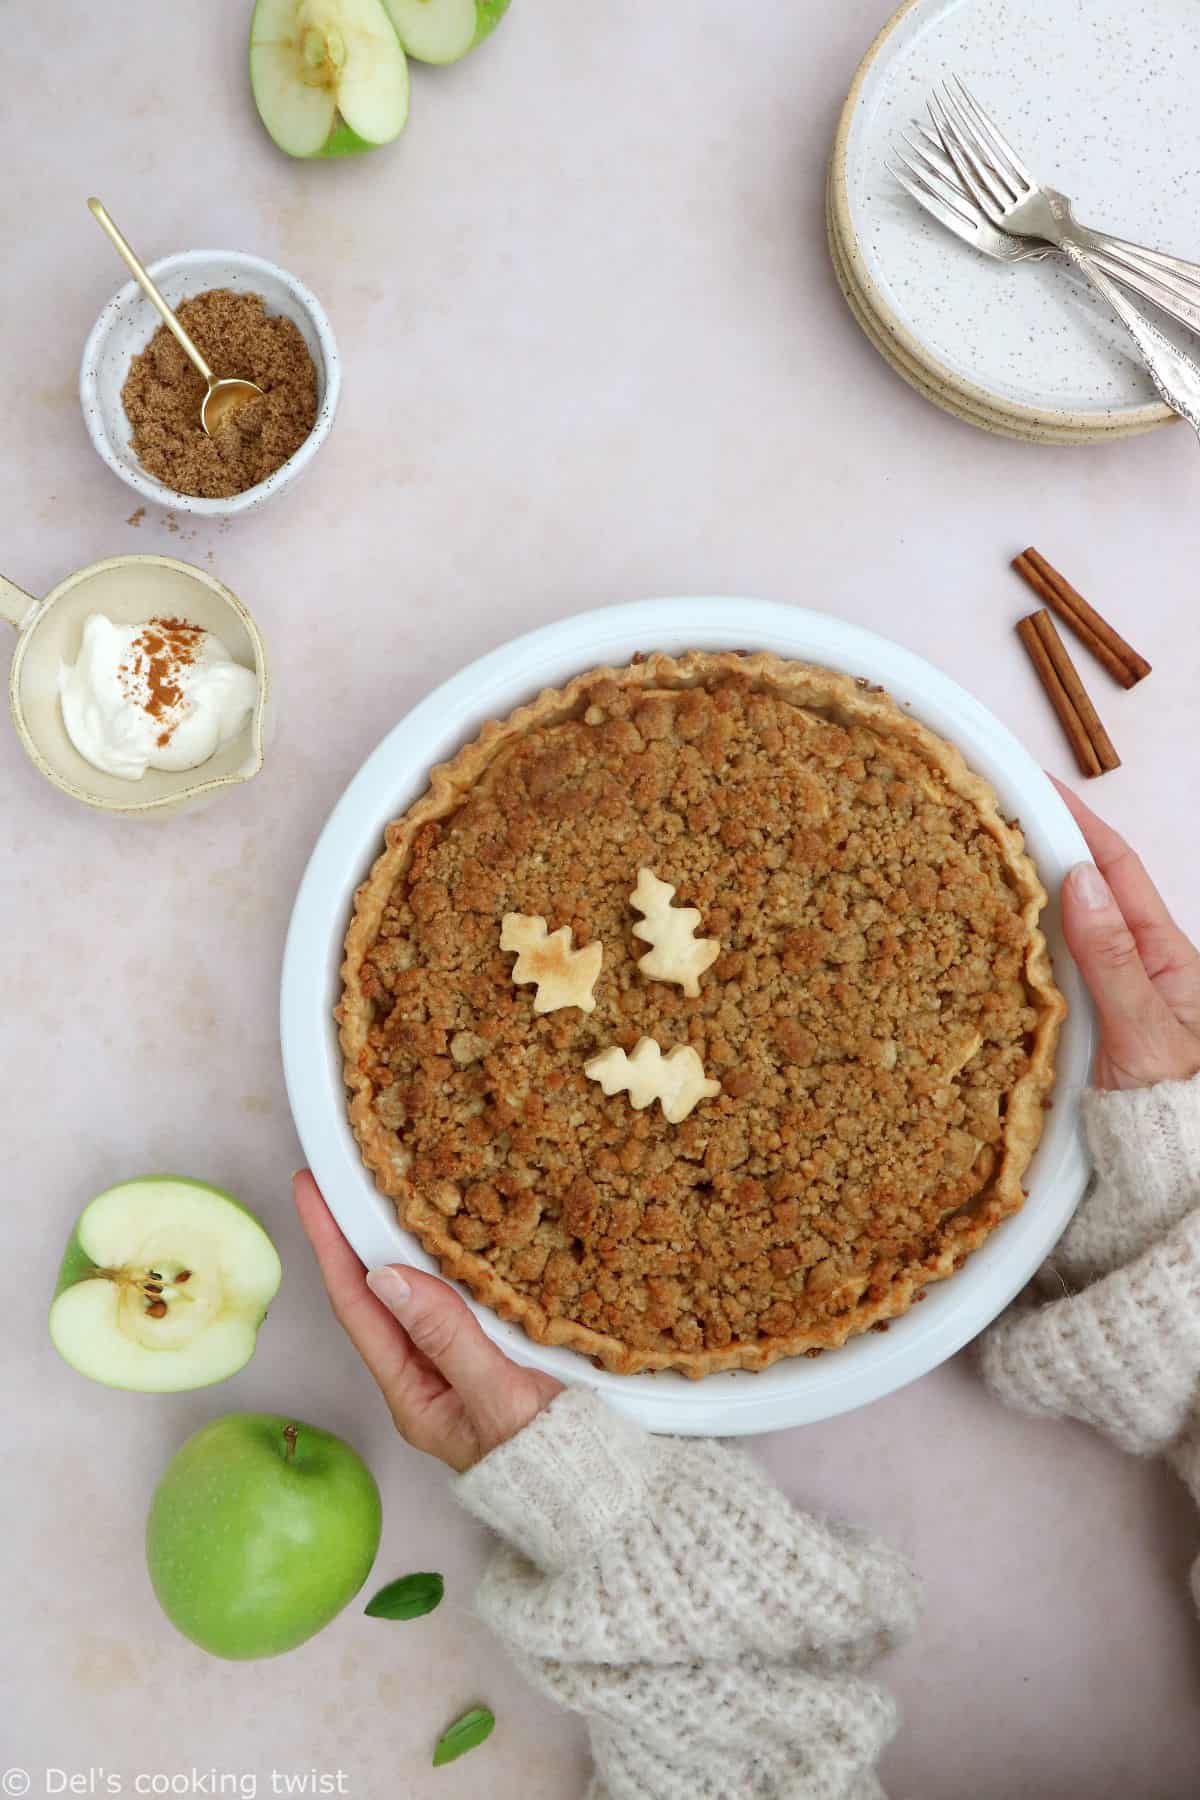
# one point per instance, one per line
(440, 31)
(329, 76)
(163, 1286)
(490, 14)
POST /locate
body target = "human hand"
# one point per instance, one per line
(450, 1390)
(1140, 969)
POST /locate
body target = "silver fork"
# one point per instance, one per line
(1138, 256)
(933, 182)
(952, 206)
(1013, 200)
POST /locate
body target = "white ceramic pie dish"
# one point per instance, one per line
(789, 1393)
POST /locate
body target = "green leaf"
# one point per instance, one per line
(407, 1598)
(465, 1734)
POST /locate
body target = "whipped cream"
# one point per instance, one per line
(160, 695)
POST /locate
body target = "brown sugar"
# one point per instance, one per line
(163, 394)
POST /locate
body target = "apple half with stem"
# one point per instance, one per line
(440, 31)
(163, 1286)
(329, 76)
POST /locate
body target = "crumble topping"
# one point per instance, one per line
(867, 1016)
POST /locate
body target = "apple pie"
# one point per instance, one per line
(855, 1007)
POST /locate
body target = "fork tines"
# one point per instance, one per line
(986, 164)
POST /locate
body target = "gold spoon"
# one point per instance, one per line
(224, 396)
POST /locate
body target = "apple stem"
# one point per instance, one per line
(289, 1438)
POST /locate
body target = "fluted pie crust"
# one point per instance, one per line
(882, 1018)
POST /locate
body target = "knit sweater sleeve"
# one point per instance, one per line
(714, 1638)
(1118, 1345)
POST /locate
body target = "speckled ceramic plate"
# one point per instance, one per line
(882, 336)
(1088, 95)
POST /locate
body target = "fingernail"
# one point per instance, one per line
(300, 1171)
(389, 1286)
(1090, 888)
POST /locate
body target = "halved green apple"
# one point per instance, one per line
(440, 31)
(163, 1286)
(329, 76)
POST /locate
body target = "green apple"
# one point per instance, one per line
(329, 76)
(440, 31)
(490, 14)
(163, 1286)
(259, 1532)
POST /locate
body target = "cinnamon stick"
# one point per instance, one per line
(1076, 693)
(1121, 660)
(1086, 755)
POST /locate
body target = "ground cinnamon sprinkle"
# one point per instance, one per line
(157, 656)
(163, 395)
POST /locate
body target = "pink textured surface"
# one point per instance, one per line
(592, 350)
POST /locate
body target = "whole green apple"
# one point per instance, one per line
(260, 1531)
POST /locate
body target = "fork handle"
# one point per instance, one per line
(1138, 255)
(1174, 374)
(1161, 291)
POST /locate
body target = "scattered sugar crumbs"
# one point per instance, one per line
(163, 394)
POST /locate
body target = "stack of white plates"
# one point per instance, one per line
(1095, 99)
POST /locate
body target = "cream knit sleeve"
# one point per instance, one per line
(1114, 1339)
(713, 1637)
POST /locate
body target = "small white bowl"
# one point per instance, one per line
(733, 1403)
(128, 323)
